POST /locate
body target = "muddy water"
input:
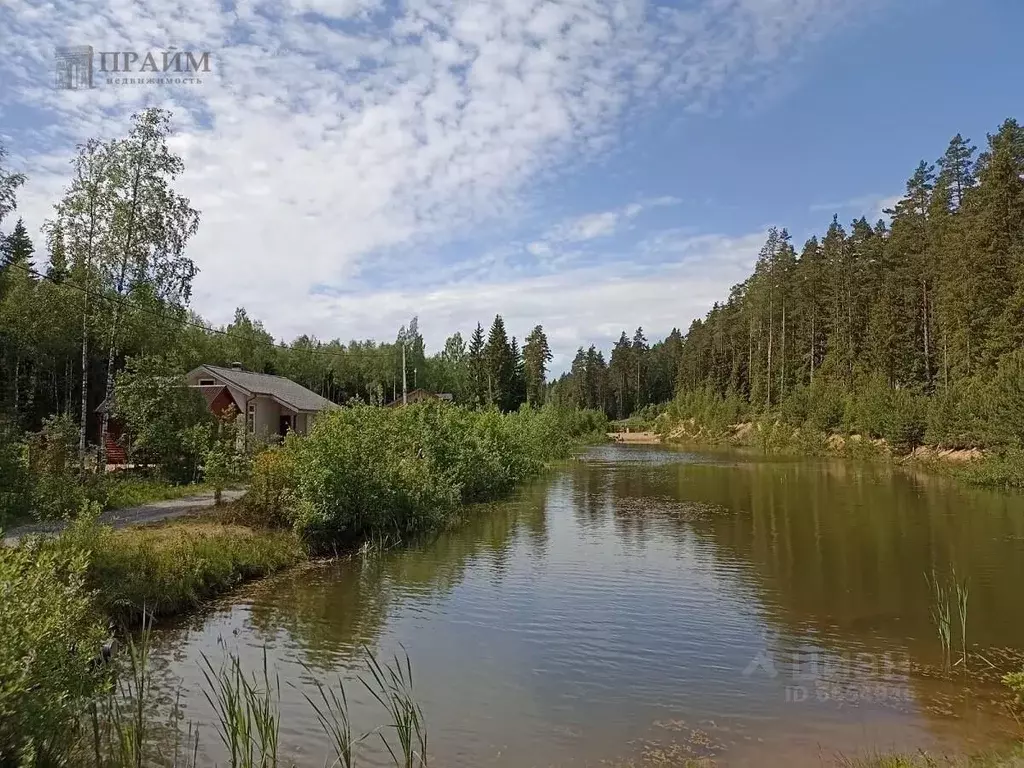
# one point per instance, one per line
(642, 605)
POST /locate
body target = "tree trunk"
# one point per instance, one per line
(782, 378)
(17, 393)
(812, 348)
(83, 424)
(125, 256)
(927, 363)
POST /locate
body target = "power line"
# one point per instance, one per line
(163, 316)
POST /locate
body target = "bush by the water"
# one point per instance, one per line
(49, 632)
(366, 470)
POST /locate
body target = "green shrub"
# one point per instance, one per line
(956, 417)
(15, 481)
(1005, 400)
(795, 408)
(270, 500)
(772, 436)
(903, 421)
(825, 405)
(56, 492)
(1004, 469)
(368, 470)
(708, 408)
(49, 633)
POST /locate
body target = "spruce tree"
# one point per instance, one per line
(477, 366)
(536, 356)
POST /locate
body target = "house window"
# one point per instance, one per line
(207, 382)
(251, 419)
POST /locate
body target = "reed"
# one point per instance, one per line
(332, 714)
(248, 717)
(392, 688)
(962, 594)
(941, 616)
(121, 732)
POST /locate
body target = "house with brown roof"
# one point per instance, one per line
(272, 405)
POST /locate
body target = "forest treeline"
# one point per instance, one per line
(913, 326)
(919, 311)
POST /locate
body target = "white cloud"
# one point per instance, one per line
(871, 206)
(576, 306)
(593, 226)
(319, 143)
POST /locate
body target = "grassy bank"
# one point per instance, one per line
(167, 568)
(1000, 467)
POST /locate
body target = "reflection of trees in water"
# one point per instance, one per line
(844, 547)
(837, 551)
(333, 609)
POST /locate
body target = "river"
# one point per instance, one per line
(642, 604)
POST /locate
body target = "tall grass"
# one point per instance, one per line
(941, 616)
(247, 716)
(164, 569)
(944, 597)
(391, 686)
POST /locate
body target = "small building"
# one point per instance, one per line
(272, 405)
(421, 396)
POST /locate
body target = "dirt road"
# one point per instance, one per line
(119, 518)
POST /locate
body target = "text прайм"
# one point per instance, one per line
(81, 66)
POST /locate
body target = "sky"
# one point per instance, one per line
(588, 165)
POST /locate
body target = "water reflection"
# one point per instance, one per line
(640, 596)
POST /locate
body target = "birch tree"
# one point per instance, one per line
(149, 226)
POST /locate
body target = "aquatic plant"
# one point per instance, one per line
(962, 594)
(392, 687)
(940, 613)
(248, 717)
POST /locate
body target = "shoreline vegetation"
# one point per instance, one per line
(363, 474)
(707, 419)
(906, 332)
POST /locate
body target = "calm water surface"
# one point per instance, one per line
(643, 604)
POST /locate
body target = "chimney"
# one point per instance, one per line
(237, 366)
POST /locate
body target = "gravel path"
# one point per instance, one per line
(119, 518)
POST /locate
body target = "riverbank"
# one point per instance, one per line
(972, 465)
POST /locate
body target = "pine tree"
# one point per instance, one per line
(536, 356)
(517, 388)
(478, 366)
(500, 367)
(18, 249)
(639, 350)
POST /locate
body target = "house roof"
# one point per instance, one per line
(286, 391)
(423, 394)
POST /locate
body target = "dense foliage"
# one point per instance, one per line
(908, 330)
(391, 471)
(49, 632)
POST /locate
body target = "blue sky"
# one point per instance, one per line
(591, 165)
